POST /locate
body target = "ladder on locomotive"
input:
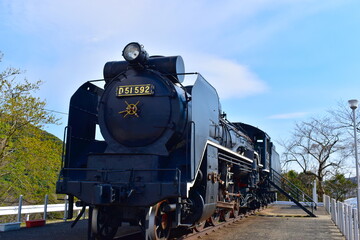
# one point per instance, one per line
(292, 192)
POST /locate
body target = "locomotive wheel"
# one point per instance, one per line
(215, 218)
(103, 224)
(236, 211)
(159, 223)
(225, 215)
(200, 226)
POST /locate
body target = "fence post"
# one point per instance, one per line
(356, 224)
(343, 219)
(66, 198)
(45, 206)
(333, 211)
(325, 203)
(338, 222)
(346, 221)
(315, 197)
(19, 209)
(337, 214)
(340, 217)
(328, 204)
(351, 224)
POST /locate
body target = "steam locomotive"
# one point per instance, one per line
(169, 160)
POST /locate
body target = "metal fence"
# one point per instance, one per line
(344, 216)
(26, 210)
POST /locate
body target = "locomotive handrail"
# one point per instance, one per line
(64, 146)
(192, 156)
(178, 171)
(245, 165)
(67, 144)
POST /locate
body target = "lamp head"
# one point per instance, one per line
(135, 53)
(353, 103)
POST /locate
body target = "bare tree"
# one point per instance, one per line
(317, 147)
(343, 117)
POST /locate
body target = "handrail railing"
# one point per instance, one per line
(29, 209)
(26, 210)
(291, 191)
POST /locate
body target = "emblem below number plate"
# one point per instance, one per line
(131, 109)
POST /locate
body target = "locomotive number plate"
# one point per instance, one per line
(135, 90)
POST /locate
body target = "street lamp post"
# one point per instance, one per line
(353, 105)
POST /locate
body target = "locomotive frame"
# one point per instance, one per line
(170, 160)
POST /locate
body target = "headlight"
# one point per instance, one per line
(131, 51)
(134, 52)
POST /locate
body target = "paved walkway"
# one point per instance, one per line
(55, 231)
(281, 222)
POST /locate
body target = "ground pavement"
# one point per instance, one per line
(281, 222)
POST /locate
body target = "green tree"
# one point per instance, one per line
(303, 181)
(27, 153)
(338, 187)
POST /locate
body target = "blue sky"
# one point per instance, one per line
(272, 62)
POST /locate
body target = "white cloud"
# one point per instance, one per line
(230, 79)
(189, 23)
(80, 36)
(86, 34)
(289, 115)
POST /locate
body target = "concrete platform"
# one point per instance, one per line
(281, 222)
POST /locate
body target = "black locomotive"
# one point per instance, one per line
(169, 160)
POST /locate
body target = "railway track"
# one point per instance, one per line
(209, 230)
(133, 236)
(195, 234)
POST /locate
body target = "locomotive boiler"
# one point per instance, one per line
(169, 160)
